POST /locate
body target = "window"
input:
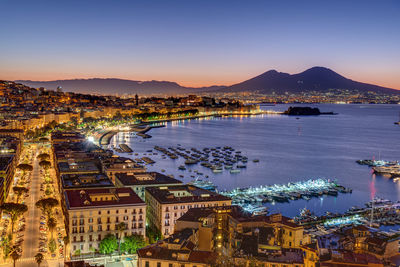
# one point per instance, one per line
(126, 211)
(81, 238)
(99, 238)
(99, 228)
(90, 238)
(116, 211)
(99, 212)
(158, 264)
(108, 212)
(147, 264)
(90, 220)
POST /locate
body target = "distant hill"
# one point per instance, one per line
(120, 86)
(314, 79)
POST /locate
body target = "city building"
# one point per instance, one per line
(91, 214)
(166, 204)
(115, 165)
(177, 250)
(10, 147)
(140, 181)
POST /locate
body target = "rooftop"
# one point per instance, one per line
(147, 178)
(67, 136)
(183, 194)
(198, 214)
(76, 167)
(71, 181)
(91, 198)
(183, 255)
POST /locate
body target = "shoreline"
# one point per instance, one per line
(106, 138)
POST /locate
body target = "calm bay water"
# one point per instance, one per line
(291, 149)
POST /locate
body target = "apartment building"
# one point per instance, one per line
(140, 181)
(91, 214)
(166, 204)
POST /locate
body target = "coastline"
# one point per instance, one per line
(106, 138)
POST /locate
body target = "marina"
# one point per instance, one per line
(299, 153)
(252, 198)
(217, 159)
(382, 167)
(378, 213)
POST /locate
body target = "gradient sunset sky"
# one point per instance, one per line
(198, 43)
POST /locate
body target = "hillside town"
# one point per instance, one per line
(67, 200)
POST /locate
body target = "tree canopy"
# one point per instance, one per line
(19, 190)
(132, 243)
(25, 167)
(45, 164)
(108, 245)
(44, 156)
(14, 210)
(47, 205)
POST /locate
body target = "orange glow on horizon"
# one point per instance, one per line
(390, 81)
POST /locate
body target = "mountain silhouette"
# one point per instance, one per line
(313, 79)
(117, 86)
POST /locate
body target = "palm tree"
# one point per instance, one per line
(121, 227)
(14, 210)
(52, 224)
(15, 256)
(39, 258)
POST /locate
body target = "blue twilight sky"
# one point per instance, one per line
(198, 42)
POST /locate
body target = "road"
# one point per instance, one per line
(32, 217)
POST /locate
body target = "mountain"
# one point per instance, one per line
(120, 86)
(313, 79)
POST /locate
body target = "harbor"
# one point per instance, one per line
(217, 159)
(382, 167)
(378, 213)
(252, 199)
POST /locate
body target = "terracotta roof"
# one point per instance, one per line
(77, 199)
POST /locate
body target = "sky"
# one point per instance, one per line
(198, 43)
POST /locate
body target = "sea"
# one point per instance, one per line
(289, 149)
